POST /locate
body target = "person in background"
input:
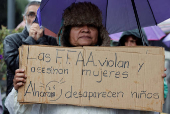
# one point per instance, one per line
(132, 38)
(30, 36)
(46, 31)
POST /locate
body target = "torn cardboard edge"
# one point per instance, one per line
(134, 49)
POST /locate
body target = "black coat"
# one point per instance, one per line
(11, 54)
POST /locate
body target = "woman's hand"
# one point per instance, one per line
(19, 78)
(164, 75)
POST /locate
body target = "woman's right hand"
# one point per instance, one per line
(19, 78)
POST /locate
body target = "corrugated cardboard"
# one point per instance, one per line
(109, 77)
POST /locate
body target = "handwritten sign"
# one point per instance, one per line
(121, 77)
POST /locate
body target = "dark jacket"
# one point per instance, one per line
(11, 54)
(134, 33)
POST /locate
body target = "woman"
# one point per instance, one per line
(82, 26)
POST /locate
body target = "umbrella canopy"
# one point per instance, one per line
(149, 12)
(166, 40)
(152, 33)
(51, 12)
(118, 15)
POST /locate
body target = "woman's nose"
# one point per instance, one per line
(85, 29)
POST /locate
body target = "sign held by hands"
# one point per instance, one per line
(109, 77)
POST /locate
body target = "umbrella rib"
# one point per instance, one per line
(138, 22)
(106, 13)
(152, 12)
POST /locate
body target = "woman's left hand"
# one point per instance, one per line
(164, 75)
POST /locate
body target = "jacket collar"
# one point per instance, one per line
(25, 31)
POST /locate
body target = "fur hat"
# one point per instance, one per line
(82, 13)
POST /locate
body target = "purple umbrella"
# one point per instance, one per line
(165, 26)
(166, 40)
(118, 15)
(152, 33)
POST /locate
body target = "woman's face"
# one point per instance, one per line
(83, 36)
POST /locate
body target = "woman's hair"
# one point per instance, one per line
(66, 36)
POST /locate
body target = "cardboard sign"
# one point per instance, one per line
(109, 77)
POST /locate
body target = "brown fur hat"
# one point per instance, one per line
(82, 13)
